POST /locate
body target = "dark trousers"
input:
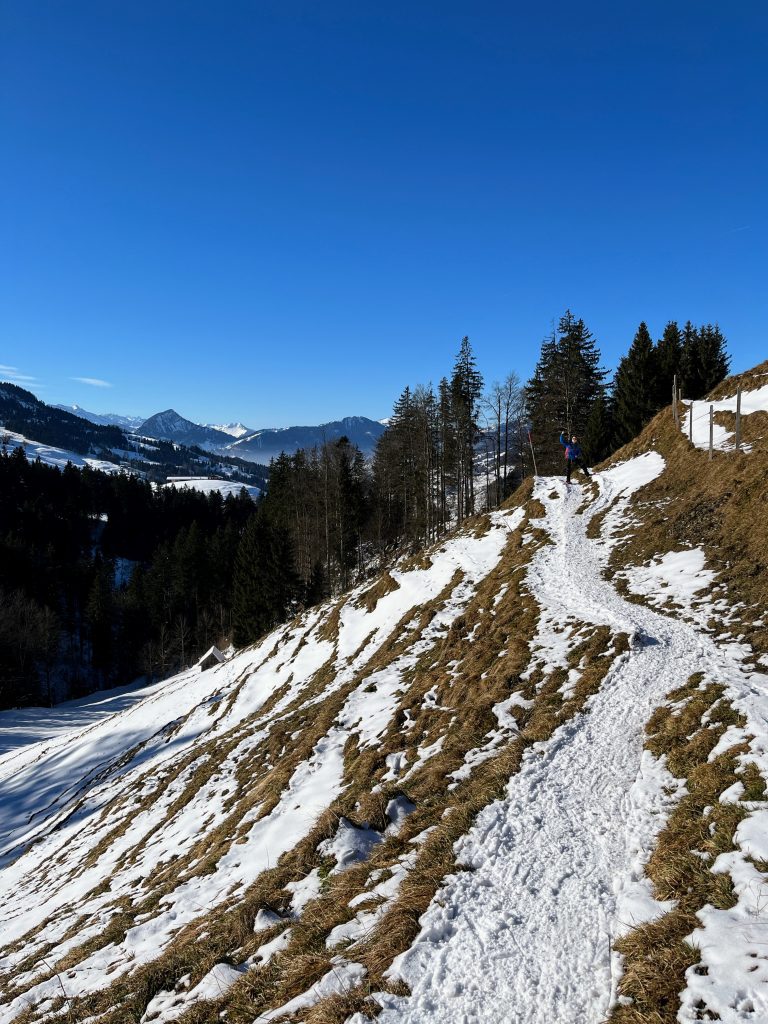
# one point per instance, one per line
(570, 463)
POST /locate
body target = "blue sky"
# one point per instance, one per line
(284, 212)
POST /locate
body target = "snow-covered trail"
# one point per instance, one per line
(527, 936)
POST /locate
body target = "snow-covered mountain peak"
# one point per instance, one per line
(235, 430)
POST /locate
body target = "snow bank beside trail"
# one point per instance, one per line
(474, 556)
(617, 485)
(733, 943)
(679, 575)
(723, 439)
(623, 479)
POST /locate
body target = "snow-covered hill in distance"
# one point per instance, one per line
(58, 436)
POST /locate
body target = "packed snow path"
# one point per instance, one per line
(527, 936)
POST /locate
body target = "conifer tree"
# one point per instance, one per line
(466, 389)
(599, 429)
(636, 387)
(248, 595)
(567, 381)
(714, 360)
(690, 362)
(446, 454)
(99, 614)
(668, 353)
(265, 582)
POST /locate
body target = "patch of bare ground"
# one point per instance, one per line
(370, 597)
(656, 955)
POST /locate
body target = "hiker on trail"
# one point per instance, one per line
(573, 455)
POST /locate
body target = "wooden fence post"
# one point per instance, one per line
(690, 423)
(675, 410)
(738, 418)
(711, 430)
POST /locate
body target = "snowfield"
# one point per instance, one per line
(98, 802)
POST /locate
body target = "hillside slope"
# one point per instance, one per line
(568, 698)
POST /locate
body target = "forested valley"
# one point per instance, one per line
(106, 578)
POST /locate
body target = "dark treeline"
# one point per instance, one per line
(104, 578)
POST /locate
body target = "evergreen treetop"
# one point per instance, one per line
(636, 387)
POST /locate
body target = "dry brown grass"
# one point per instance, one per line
(371, 596)
(657, 955)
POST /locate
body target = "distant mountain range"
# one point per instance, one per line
(238, 440)
(263, 445)
(167, 443)
(106, 419)
(57, 435)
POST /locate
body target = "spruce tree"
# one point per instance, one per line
(265, 581)
(714, 360)
(598, 431)
(668, 352)
(691, 377)
(567, 381)
(636, 388)
(248, 591)
(466, 389)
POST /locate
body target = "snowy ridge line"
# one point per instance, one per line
(104, 795)
(592, 801)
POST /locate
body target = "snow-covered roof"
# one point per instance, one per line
(212, 652)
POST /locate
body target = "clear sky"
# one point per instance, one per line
(283, 212)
